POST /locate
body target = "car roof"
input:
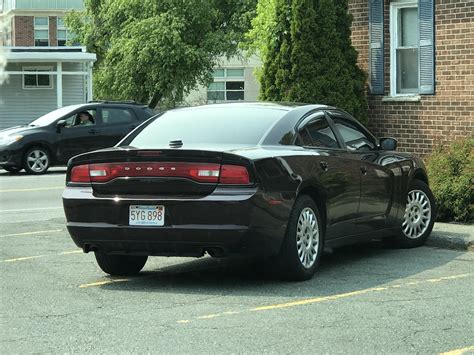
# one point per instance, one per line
(287, 106)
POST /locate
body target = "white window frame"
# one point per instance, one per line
(40, 28)
(394, 34)
(61, 28)
(225, 79)
(29, 71)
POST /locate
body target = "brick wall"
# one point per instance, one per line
(23, 31)
(447, 115)
(53, 31)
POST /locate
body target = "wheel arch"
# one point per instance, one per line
(420, 174)
(319, 197)
(40, 144)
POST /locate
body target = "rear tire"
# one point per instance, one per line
(303, 244)
(120, 265)
(419, 217)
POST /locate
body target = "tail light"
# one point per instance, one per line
(80, 173)
(234, 175)
(199, 172)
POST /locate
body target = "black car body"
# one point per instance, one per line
(57, 136)
(262, 172)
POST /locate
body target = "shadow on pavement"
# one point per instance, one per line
(345, 270)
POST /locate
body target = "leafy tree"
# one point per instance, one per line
(157, 51)
(310, 57)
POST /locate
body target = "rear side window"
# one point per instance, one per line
(111, 115)
(318, 133)
(148, 112)
(204, 125)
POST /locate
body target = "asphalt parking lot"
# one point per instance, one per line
(364, 299)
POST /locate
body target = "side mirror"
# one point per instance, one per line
(388, 144)
(60, 124)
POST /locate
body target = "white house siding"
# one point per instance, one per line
(73, 85)
(252, 86)
(20, 106)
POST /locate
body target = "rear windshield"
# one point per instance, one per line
(223, 125)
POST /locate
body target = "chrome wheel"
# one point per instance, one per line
(307, 237)
(417, 214)
(37, 160)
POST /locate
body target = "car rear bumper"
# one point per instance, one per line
(222, 223)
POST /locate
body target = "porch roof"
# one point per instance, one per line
(48, 54)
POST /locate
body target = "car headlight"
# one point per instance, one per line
(6, 140)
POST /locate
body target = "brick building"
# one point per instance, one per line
(420, 58)
(43, 73)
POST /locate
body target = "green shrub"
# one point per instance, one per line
(451, 174)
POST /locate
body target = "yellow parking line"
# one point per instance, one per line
(31, 233)
(100, 283)
(332, 298)
(41, 256)
(459, 351)
(35, 189)
(356, 293)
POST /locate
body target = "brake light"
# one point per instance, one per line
(80, 173)
(234, 174)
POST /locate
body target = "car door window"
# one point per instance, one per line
(318, 133)
(354, 137)
(81, 119)
(115, 115)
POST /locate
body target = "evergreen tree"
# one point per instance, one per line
(277, 66)
(314, 60)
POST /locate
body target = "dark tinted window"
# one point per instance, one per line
(111, 115)
(354, 137)
(317, 133)
(149, 112)
(232, 125)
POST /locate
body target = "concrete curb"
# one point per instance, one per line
(452, 236)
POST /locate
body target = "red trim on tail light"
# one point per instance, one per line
(80, 173)
(195, 171)
(234, 175)
(200, 172)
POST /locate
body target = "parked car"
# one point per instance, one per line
(57, 136)
(280, 181)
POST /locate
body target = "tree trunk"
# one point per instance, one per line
(155, 99)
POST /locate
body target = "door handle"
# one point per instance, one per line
(323, 165)
(363, 169)
(92, 131)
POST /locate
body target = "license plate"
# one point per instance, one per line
(146, 215)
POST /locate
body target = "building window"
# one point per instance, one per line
(41, 31)
(404, 48)
(36, 80)
(228, 85)
(62, 32)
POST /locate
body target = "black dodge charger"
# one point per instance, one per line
(280, 181)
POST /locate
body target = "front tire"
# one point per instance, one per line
(37, 160)
(120, 265)
(419, 217)
(303, 244)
